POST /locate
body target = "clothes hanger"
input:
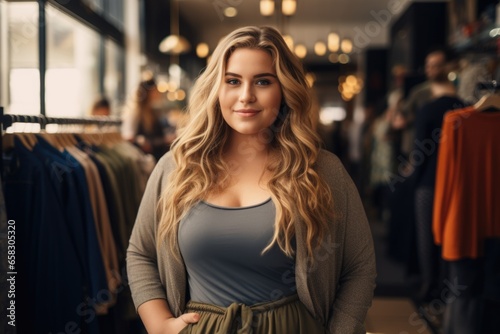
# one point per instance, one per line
(68, 139)
(27, 139)
(110, 138)
(489, 102)
(53, 140)
(23, 138)
(8, 142)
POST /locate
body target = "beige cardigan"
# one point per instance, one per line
(337, 289)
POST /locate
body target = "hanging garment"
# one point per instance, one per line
(103, 227)
(53, 277)
(467, 192)
(66, 240)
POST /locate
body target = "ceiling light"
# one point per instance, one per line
(320, 48)
(333, 58)
(343, 58)
(202, 50)
(174, 43)
(346, 45)
(347, 96)
(266, 7)
(171, 96)
(163, 86)
(333, 42)
(289, 41)
(311, 78)
(288, 7)
(180, 95)
(230, 12)
(172, 87)
(351, 80)
(300, 51)
(328, 115)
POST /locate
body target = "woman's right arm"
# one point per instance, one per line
(148, 291)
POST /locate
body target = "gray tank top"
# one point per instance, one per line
(221, 247)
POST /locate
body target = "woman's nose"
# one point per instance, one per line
(247, 94)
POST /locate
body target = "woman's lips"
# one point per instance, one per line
(247, 112)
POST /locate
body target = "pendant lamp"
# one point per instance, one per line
(174, 43)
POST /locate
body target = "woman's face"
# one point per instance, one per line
(250, 94)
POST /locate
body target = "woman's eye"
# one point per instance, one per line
(263, 82)
(232, 81)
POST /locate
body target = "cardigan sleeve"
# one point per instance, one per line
(358, 272)
(142, 268)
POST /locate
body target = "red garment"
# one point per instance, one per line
(467, 191)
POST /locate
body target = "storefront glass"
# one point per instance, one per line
(22, 96)
(114, 77)
(72, 77)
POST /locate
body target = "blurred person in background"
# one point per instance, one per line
(146, 125)
(101, 107)
(437, 76)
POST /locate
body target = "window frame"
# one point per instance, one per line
(80, 11)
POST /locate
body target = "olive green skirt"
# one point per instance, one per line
(287, 316)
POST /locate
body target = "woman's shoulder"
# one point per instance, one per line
(329, 164)
(166, 162)
(163, 168)
(331, 170)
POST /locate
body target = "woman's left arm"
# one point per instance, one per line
(357, 278)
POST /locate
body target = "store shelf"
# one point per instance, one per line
(485, 40)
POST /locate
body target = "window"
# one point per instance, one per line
(81, 63)
(96, 5)
(23, 92)
(115, 13)
(114, 78)
(72, 77)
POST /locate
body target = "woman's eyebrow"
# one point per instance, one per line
(260, 75)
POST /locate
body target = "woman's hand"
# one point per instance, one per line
(175, 325)
(158, 319)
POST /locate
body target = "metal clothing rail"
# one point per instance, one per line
(7, 120)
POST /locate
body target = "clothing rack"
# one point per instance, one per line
(6, 120)
(493, 86)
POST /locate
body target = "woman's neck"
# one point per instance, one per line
(249, 149)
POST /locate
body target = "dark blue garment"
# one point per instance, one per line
(428, 124)
(94, 256)
(69, 175)
(49, 281)
(62, 179)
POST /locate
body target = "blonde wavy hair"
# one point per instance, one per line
(198, 151)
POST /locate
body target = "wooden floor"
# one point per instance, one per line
(394, 316)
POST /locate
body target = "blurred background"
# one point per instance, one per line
(373, 65)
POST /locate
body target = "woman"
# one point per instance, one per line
(146, 126)
(246, 223)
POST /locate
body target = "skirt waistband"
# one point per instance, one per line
(256, 308)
